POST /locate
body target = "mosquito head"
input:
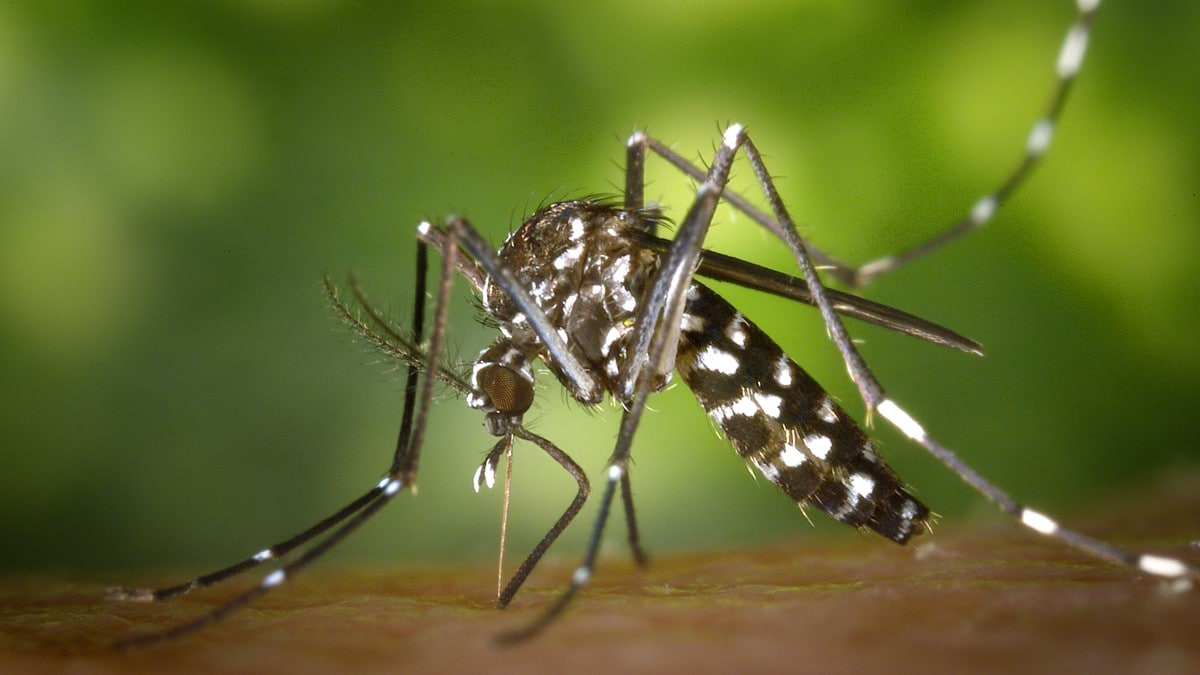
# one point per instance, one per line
(502, 386)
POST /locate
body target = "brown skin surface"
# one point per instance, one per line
(992, 597)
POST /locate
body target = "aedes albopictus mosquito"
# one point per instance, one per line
(588, 288)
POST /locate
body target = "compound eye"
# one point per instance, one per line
(509, 391)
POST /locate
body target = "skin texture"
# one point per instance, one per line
(968, 597)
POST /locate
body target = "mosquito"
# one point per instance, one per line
(610, 309)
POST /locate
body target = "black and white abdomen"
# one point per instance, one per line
(779, 419)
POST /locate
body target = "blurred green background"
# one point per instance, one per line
(175, 179)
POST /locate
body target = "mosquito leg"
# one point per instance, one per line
(582, 574)
(1070, 59)
(561, 524)
(661, 311)
(635, 539)
(635, 171)
(1161, 566)
(271, 553)
(281, 549)
(860, 374)
(386, 490)
(400, 477)
(408, 450)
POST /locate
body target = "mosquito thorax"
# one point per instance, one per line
(587, 278)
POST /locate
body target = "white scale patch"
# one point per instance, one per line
(576, 229)
(581, 576)
(861, 486)
(619, 270)
(1038, 521)
(744, 406)
(569, 257)
(983, 210)
(769, 404)
(485, 474)
(732, 136)
(1039, 137)
(569, 304)
(903, 421)
(526, 371)
(692, 323)
(906, 515)
(736, 330)
(623, 298)
(825, 411)
(717, 360)
(542, 291)
(1073, 49)
(792, 456)
(818, 445)
(612, 368)
(483, 299)
(610, 338)
(1163, 567)
(768, 471)
(783, 372)
(475, 370)
(721, 413)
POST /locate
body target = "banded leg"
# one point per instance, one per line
(1066, 68)
(1070, 60)
(1156, 565)
(401, 475)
